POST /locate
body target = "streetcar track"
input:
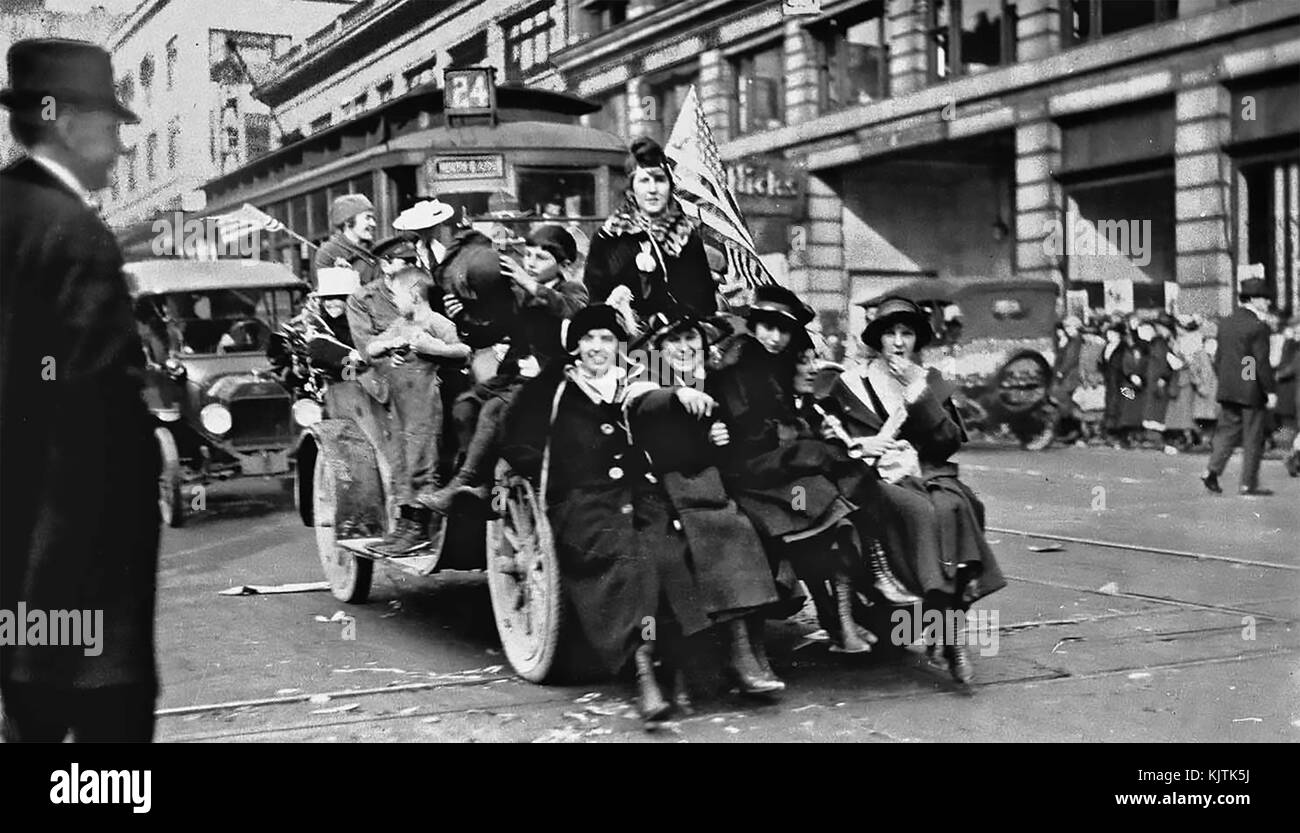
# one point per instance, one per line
(1145, 597)
(288, 699)
(920, 667)
(1199, 556)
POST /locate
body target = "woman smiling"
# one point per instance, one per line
(649, 258)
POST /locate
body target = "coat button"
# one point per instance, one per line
(606, 429)
(615, 473)
(627, 509)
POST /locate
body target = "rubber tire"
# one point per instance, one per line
(349, 576)
(171, 493)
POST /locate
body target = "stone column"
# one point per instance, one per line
(716, 92)
(905, 30)
(819, 276)
(1202, 183)
(641, 107)
(1039, 197)
(1038, 28)
(801, 70)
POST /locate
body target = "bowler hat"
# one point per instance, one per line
(1253, 288)
(895, 310)
(73, 72)
(594, 317)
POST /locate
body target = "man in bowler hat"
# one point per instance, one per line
(79, 464)
(1246, 390)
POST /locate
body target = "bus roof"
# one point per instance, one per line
(158, 277)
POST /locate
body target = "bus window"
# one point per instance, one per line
(557, 193)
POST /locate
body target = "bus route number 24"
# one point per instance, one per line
(470, 90)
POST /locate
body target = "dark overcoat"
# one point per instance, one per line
(932, 523)
(613, 525)
(79, 464)
(727, 559)
(1242, 363)
(783, 476)
(688, 283)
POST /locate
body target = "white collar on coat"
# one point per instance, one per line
(65, 175)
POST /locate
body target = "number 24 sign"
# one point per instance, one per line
(469, 91)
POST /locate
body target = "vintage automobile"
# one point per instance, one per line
(345, 493)
(223, 415)
(1000, 355)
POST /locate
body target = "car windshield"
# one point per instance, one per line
(220, 321)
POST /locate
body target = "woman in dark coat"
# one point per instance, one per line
(670, 417)
(1157, 373)
(627, 566)
(799, 491)
(648, 257)
(944, 558)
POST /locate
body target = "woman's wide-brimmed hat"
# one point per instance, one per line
(424, 215)
(778, 305)
(595, 317)
(72, 72)
(333, 281)
(895, 310)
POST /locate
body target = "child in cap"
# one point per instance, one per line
(405, 355)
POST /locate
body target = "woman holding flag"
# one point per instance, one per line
(649, 258)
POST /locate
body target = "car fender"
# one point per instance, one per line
(359, 473)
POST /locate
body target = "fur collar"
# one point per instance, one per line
(670, 230)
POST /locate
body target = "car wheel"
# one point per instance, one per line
(349, 576)
(171, 496)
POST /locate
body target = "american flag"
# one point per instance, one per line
(702, 184)
(244, 220)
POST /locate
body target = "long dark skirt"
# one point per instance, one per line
(931, 527)
(627, 569)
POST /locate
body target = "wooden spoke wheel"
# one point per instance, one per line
(348, 575)
(524, 580)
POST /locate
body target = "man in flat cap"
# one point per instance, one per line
(352, 216)
(79, 464)
(1246, 389)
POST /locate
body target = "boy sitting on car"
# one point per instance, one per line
(404, 356)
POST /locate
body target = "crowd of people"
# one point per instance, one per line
(703, 494)
(1151, 380)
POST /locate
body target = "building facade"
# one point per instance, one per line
(189, 70)
(22, 19)
(1141, 147)
(1136, 152)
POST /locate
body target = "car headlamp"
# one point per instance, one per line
(215, 418)
(307, 412)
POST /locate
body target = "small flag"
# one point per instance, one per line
(243, 221)
(701, 183)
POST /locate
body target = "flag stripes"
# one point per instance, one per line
(701, 185)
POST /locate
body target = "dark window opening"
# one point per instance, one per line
(1085, 20)
(471, 52)
(760, 90)
(970, 36)
(854, 54)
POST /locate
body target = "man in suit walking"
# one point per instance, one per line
(79, 465)
(1246, 389)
